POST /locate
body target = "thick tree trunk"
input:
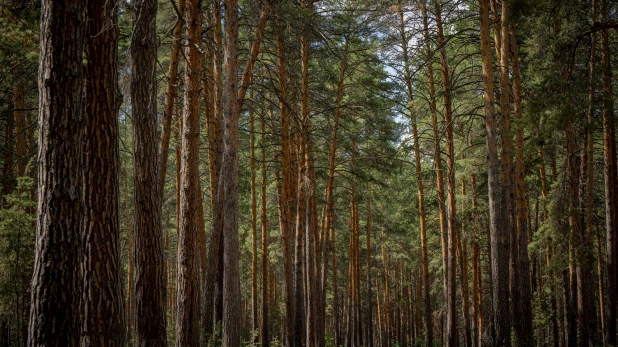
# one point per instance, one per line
(150, 288)
(103, 315)
(54, 314)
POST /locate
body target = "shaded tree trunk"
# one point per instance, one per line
(611, 177)
(187, 277)
(150, 290)
(231, 280)
(103, 314)
(54, 314)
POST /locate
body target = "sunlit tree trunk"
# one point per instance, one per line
(498, 234)
(451, 311)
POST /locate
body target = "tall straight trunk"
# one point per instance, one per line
(265, 332)
(523, 324)
(462, 252)
(187, 280)
(499, 236)
(477, 295)
(369, 319)
(130, 259)
(336, 315)
(309, 180)
(451, 310)
(611, 176)
(419, 180)
(54, 314)
(231, 280)
(386, 293)
(150, 284)
(286, 198)
(170, 95)
(103, 315)
(507, 175)
(437, 149)
(586, 313)
(570, 304)
(299, 240)
(254, 260)
(213, 283)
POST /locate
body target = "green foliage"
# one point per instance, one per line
(17, 230)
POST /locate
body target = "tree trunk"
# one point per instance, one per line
(265, 333)
(369, 319)
(437, 149)
(419, 180)
(498, 234)
(170, 95)
(229, 172)
(254, 260)
(451, 311)
(187, 278)
(286, 198)
(611, 176)
(523, 324)
(150, 288)
(54, 315)
(103, 315)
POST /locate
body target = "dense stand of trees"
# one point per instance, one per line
(308, 173)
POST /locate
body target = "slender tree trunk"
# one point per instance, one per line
(523, 324)
(462, 251)
(287, 179)
(187, 280)
(451, 312)
(498, 234)
(265, 333)
(437, 149)
(170, 95)
(254, 260)
(369, 321)
(419, 179)
(213, 303)
(231, 280)
(54, 314)
(103, 315)
(611, 177)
